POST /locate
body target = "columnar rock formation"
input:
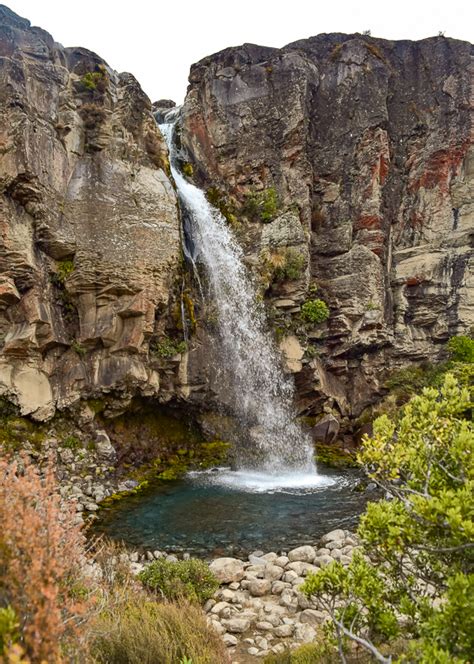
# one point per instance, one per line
(368, 145)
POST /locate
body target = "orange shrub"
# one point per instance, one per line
(41, 559)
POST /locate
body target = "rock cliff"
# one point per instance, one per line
(90, 234)
(345, 164)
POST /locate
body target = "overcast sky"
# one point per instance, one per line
(158, 40)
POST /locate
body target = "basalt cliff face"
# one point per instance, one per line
(346, 164)
(343, 162)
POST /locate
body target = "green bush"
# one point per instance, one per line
(9, 628)
(191, 579)
(64, 269)
(291, 265)
(413, 578)
(146, 632)
(95, 80)
(71, 443)
(261, 205)
(167, 348)
(461, 349)
(315, 311)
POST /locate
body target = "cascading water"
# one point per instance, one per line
(262, 395)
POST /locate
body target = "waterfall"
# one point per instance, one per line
(245, 351)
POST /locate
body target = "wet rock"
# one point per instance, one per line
(383, 313)
(326, 430)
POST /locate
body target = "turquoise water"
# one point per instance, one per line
(227, 513)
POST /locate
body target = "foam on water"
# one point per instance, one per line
(262, 482)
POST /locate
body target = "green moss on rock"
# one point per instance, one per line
(335, 457)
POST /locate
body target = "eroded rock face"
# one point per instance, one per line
(368, 145)
(90, 245)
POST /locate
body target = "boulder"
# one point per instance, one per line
(302, 553)
(227, 570)
(334, 535)
(260, 587)
(312, 617)
(237, 625)
(326, 430)
(105, 449)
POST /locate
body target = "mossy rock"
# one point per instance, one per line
(15, 431)
(220, 201)
(335, 457)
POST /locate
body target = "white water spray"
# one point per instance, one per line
(262, 395)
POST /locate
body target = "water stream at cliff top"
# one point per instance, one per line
(275, 451)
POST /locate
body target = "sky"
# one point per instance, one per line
(157, 41)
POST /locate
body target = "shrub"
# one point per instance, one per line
(71, 443)
(191, 579)
(414, 576)
(261, 205)
(64, 270)
(92, 115)
(288, 265)
(315, 311)
(9, 628)
(461, 349)
(41, 557)
(167, 348)
(146, 632)
(95, 80)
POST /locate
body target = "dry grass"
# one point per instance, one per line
(376, 51)
(142, 631)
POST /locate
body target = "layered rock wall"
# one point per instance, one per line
(367, 144)
(90, 232)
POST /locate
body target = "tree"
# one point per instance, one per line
(413, 578)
